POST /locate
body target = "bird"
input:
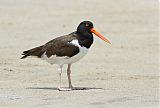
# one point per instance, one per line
(67, 49)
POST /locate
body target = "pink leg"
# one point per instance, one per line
(63, 88)
(69, 77)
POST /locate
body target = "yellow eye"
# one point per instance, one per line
(87, 24)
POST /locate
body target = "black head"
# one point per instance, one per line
(85, 34)
(85, 30)
(85, 26)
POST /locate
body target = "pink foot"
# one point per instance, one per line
(64, 89)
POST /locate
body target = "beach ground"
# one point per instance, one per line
(121, 75)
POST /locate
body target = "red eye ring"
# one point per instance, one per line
(87, 25)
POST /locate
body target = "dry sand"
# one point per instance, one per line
(126, 70)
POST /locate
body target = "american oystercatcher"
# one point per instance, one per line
(67, 49)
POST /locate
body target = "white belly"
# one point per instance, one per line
(65, 59)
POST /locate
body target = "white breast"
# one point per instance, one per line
(66, 60)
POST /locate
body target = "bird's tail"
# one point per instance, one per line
(38, 51)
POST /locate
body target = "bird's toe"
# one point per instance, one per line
(64, 89)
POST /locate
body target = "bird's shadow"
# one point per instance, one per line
(55, 88)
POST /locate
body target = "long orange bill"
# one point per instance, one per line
(99, 35)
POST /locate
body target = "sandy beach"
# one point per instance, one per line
(121, 75)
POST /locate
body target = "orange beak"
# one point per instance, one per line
(99, 35)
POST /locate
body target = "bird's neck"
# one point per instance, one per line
(85, 39)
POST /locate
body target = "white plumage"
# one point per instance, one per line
(65, 59)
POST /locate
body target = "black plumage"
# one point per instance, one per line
(61, 46)
(66, 49)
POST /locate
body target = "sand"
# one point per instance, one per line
(121, 75)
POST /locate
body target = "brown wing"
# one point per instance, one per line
(62, 48)
(33, 52)
(59, 46)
